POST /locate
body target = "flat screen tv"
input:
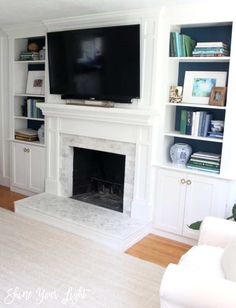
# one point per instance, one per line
(95, 64)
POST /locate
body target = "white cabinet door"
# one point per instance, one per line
(170, 199)
(204, 197)
(19, 171)
(36, 178)
(28, 167)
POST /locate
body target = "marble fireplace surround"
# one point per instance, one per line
(118, 130)
(68, 142)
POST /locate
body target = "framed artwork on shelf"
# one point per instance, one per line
(218, 96)
(198, 85)
(35, 82)
(175, 94)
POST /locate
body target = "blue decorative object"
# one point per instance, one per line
(180, 153)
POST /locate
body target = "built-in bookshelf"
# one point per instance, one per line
(177, 66)
(24, 111)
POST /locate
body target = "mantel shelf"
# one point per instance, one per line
(128, 116)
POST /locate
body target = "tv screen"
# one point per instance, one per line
(96, 64)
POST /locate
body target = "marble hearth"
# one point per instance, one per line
(102, 225)
(116, 130)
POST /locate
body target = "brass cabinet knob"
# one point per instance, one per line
(188, 182)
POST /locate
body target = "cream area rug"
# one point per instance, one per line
(41, 266)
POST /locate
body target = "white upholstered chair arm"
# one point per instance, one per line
(217, 232)
(183, 288)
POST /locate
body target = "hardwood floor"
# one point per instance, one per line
(152, 248)
(158, 250)
(8, 197)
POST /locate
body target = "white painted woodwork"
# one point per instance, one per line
(28, 167)
(183, 199)
(170, 200)
(148, 122)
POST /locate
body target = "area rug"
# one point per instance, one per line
(42, 266)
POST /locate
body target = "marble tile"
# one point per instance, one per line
(100, 221)
(66, 159)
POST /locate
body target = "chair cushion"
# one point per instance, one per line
(229, 261)
(204, 259)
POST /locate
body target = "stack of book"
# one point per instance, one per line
(32, 110)
(204, 161)
(211, 49)
(218, 135)
(195, 123)
(29, 56)
(181, 45)
(26, 134)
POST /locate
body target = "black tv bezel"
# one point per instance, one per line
(110, 98)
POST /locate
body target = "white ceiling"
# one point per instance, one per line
(24, 11)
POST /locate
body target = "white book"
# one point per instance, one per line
(211, 44)
(197, 120)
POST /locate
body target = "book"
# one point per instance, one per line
(203, 169)
(188, 45)
(26, 132)
(206, 125)
(189, 122)
(206, 155)
(183, 121)
(204, 164)
(204, 160)
(211, 44)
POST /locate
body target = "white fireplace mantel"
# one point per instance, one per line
(114, 126)
(131, 116)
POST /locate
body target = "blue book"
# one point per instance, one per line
(207, 124)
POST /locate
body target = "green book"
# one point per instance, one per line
(183, 121)
(188, 45)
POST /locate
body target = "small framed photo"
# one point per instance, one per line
(218, 96)
(198, 85)
(35, 82)
(176, 94)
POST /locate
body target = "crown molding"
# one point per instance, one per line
(101, 19)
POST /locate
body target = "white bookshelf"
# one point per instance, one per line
(20, 69)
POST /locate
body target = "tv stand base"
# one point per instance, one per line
(90, 103)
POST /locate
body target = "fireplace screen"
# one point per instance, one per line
(98, 178)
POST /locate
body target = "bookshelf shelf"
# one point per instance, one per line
(30, 62)
(200, 59)
(29, 95)
(195, 106)
(178, 135)
(35, 143)
(29, 118)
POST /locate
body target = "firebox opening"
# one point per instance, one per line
(98, 178)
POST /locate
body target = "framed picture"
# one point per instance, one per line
(176, 94)
(217, 97)
(35, 82)
(198, 85)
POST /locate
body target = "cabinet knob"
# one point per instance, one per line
(188, 182)
(25, 150)
(182, 181)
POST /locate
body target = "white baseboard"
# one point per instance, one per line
(174, 237)
(5, 181)
(22, 191)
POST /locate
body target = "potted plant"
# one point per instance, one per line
(196, 225)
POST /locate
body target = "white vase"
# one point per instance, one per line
(180, 153)
(41, 134)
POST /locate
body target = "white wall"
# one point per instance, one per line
(4, 111)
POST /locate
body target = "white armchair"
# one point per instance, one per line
(198, 281)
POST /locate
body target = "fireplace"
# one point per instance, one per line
(98, 178)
